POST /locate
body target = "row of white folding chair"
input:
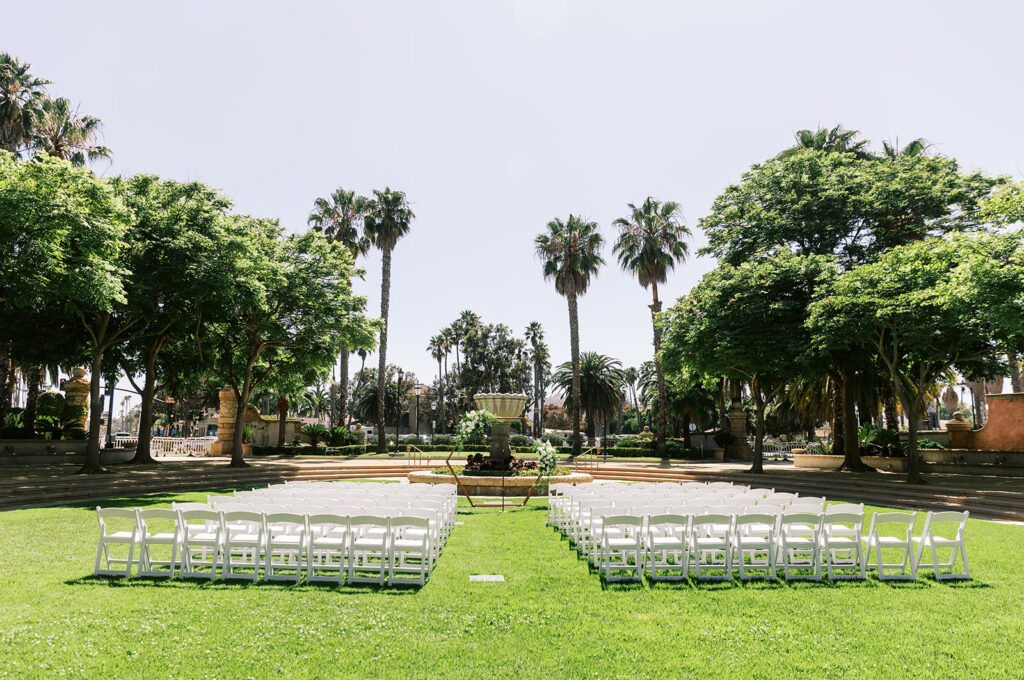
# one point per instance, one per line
(200, 540)
(831, 540)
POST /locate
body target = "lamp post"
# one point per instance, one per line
(418, 389)
(398, 423)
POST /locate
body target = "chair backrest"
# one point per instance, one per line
(216, 500)
(849, 520)
(291, 518)
(897, 522)
(758, 518)
(368, 520)
(325, 521)
(811, 519)
(409, 521)
(104, 514)
(800, 506)
(190, 506)
(729, 509)
(157, 513)
(709, 518)
(668, 520)
(622, 521)
(241, 516)
(844, 507)
(199, 515)
(947, 522)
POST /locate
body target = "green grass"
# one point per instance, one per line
(553, 618)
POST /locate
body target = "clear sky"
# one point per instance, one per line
(495, 117)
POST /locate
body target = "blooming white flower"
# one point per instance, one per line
(547, 458)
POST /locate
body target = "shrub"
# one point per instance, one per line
(341, 436)
(520, 440)
(413, 440)
(553, 438)
(628, 443)
(247, 434)
(724, 438)
(443, 440)
(929, 444)
(673, 448)
(315, 432)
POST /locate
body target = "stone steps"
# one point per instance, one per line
(986, 504)
(25, 493)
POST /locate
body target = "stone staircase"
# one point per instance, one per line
(64, 489)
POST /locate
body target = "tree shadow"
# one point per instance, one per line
(241, 584)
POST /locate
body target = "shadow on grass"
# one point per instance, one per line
(240, 584)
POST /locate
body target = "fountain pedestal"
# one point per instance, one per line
(507, 408)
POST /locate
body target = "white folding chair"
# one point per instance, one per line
(368, 549)
(711, 542)
(665, 548)
(121, 535)
(158, 527)
(284, 554)
(201, 543)
(933, 541)
(841, 545)
(902, 525)
(755, 545)
(619, 542)
(410, 550)
(327, 548)
(799, 535)
(244, 540)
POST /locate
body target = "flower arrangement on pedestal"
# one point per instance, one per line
(547, 458)
(473, 425)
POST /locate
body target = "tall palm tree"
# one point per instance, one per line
(339, 217)
(651, 242)
(21, 95)
(461, 327)
(388, 218)
(64, 133)
(451, 341)
(837, 139)
(535, 336)
(571, 253)
(601, 380)
(436, 347)
(631, 375)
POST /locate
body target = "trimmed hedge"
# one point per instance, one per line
(353, 450)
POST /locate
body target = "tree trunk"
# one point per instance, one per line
(574, 343)
(838, 424)
(687, 419)
(1015, 384)
(341, 402)
(755, 389)
(282, 418)
(659, 441)
(888, 401)
(28, 418)
(851, 442)
(591, 428)
(143, 450)
(92, 449)
(6, 386)
(913, 469)
(385, 299)
(440, 384)
(242, 400)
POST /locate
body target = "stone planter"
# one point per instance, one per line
(886, 464)
(817, 461)
(495, 486)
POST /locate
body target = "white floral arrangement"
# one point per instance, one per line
(547, 458)
(472, 425)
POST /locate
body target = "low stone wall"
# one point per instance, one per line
(107, 457)
(42, 447)
(817, 461)
(497, 486)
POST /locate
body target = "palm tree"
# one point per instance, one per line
(535, 336)
(837, 139)
(338, 217)
(21, 94)
(388, 218)
(436, 347)
(601, 380)
(367, 399)
(650, 244)
(915, 147)
(63, 133)
(571, 253)
(631, 375)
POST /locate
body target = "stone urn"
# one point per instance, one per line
(507, 408)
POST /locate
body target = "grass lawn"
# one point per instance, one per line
(552, 618)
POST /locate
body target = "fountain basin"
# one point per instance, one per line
(504, 406)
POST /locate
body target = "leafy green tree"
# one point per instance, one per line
(175, 232)
(283, 308)
(436, 347)
(650, 243)
(388, 218)
(62, 132)
(916, 306)
(571, 254)
(747, 322)
(62, 249)
(21, 95)
(340, 217)
(601, 383)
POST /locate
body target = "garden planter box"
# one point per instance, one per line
(817, 461)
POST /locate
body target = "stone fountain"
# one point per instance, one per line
(507, 408)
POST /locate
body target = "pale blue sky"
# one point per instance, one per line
(495, 117)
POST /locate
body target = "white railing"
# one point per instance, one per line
(178, 446)
(780, 450)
